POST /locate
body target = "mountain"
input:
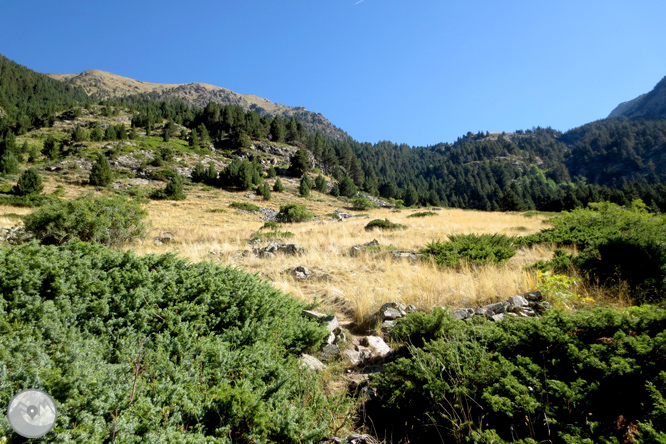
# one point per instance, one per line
(103, 85)
(649, 106)
(26, 95)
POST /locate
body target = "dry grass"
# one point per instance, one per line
(361, 284)
(357, 285)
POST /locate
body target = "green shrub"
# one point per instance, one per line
(304, 187)
(320, 184)
(110, 221)
(29, 183)
(384, 224)
(362, 203)
(477, 249)
(294, 213)
(172, 191)
(101, 174)
(265, 191)
(244, 206)
(615, 244)
(217, 350)
(589, 376)
(423, 214)
(270, 225)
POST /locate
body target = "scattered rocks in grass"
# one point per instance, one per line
(406, 254)
(342, 215)
(354, 438)
(273, 248)
(527, 305)
(357, 249)
(165, 238)
(301, 272)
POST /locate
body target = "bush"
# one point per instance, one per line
(361, 203)
(110, 221)
(304, 187)
(277, 186)
(29, 183)
(265, 191)
(275, 234)
(172, 191)
(615, 244)
(589, 376)
(217, 350)
(320, 184)
(477, 249)
(101, 174)
(294, 213)
(384, 224)
(423, 214)
(244, 206)
(270, 225)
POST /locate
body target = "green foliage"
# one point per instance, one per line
(423, 214)
(173, 189)
(300, 163)
(304, 188)
(346, 187)
(271, 173)
(29, 183)
(361, 203)
(476, 249)
(51, 148)
(265, 191)
(110, 221)
(101, 174)
(320, 184)
(199, 173)
(615, 244)
(384, 224)
(294, 213)
(9, 163)
(241, 174)
(277, 186)
(158, 349)
(245, 206)
(270, 225)
(589, 376)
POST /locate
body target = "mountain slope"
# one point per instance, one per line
(649, 106)
(104, 85)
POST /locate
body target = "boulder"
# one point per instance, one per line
(381, 349)
(312, 363)
(518, 301)
(273, 248)
(301, 273)
(329, 352)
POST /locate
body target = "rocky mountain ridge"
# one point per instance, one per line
(651, 105)
(104, 85)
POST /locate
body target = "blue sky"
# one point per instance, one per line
(410, 71)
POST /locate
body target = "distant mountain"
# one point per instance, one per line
(103, 85)
(649, 106)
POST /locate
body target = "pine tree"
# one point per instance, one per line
(277, 186)
(101, 174)
(320, 184)
(347, 188)
(271, 173)
(199, 172)
(304, 189)
(211, 174)
(277, 129)
(300, 163)
(30, 182)
(51, 148)
(265, 191)
(8, 163)
(174, 189)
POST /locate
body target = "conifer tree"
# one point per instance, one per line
(51, 148)
(8, 163)
(304, 188)
(30, 182)
(174, 189)
(277, 186)
(265, 191)
(101, 174)
(320, 184)
(199, 174)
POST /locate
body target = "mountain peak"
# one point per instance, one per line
(649, 106)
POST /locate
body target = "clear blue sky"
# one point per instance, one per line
(410, 71)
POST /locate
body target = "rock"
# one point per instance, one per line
(14, 235)
(410, 308)
(518, 301)
(436, 209)
(268, 214)
(354, 438)
(331, 338)
(343, 215)
(357, 356)
(251, 196)
(331, 322)
(340, 338)
(464, 313)
(290, 249)
(356, 249)
(388, 324)
(408, 254)
(301, 273)
(391, 314)
(497, 317)
(165, 238)
(496, 308)
(329, 352)
(381, 348)
(534, 296)
(312, 363)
